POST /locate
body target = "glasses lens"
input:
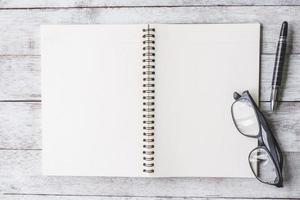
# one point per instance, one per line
(263, 166)
(245, 118)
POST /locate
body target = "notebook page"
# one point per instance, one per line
(91, 100)
(198, 67)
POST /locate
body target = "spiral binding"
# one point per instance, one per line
(148, 98)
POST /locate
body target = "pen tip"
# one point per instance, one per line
(272, 105)
(272, 108)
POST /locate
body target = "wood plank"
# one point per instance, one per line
(290, 90)
(20, 162)
(105, 3)
(20, 78)
(20, 125)
(285, 124)
(89, 197)
(22, 38)
(22, 176)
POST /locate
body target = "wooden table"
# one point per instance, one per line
(20, 94)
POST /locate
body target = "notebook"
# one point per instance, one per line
(146, 100)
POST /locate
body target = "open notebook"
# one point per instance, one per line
(146, 100)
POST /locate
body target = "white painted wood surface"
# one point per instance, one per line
(20, 106)
(121, 3)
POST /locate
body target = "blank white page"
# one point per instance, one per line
(198, 67)
(91, 100)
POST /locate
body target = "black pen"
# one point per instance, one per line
(278, 66)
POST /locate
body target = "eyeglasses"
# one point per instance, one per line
(266, 160)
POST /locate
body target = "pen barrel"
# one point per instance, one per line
(279, 62)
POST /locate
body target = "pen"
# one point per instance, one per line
(278, 65)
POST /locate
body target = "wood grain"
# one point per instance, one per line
(90, 197)
(21, 176)
(20, 125)
(290, 88)
(22, 38)
(120, 3)
(20, 78)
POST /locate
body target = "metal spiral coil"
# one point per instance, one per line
(148, 98)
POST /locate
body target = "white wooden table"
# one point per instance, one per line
(20, 94)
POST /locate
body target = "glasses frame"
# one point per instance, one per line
(266, 139)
